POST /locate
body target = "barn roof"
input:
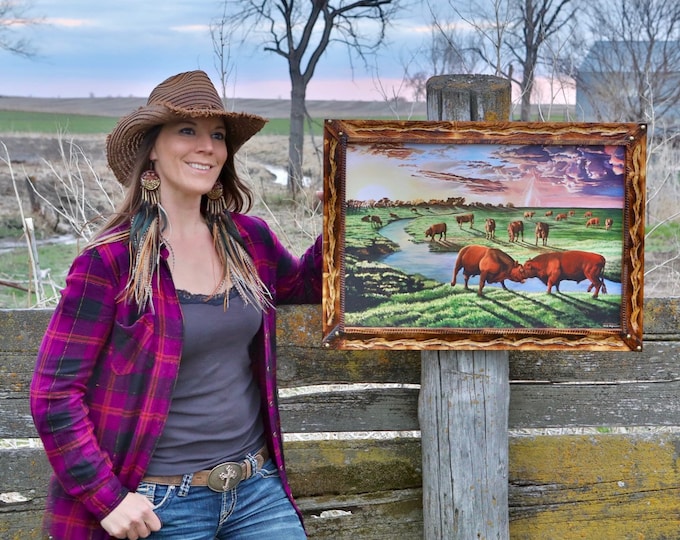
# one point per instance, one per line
(623, 56)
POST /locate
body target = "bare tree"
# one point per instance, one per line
(14, 17)
(402, 96)
(454, 45)
(300, 32)
(489, 20)
(452, 48)
(221, 32)
(514, 30)
(632, 73)
(536, 22)
(447, 50)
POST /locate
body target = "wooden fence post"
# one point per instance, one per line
(465, 395)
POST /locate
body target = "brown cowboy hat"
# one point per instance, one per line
(185, 95)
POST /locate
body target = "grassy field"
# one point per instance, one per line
(445, 307)
(51, 123)
(76, 124)
(55, 258)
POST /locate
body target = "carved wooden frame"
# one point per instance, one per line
(626, 140)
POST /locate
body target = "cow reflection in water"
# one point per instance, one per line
(551, 268)
(490, 264)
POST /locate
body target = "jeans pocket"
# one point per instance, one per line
(159, 495)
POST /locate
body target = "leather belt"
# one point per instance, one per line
(222, 477)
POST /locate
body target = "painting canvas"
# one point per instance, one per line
(442, 235)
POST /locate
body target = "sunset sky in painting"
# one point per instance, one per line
(524, 175)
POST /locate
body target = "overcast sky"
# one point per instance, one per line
(125, 47)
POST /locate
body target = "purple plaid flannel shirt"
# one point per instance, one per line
(105, 374)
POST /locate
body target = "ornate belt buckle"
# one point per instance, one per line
(225, 476)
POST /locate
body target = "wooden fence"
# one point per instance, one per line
(609, 481)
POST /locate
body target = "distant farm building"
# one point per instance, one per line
(625, 81)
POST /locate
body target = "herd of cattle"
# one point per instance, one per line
(515, 228)
(493, 265)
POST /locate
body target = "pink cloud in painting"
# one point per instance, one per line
(568, 175)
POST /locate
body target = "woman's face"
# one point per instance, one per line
(188, 156)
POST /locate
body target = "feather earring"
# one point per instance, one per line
(145, 239)
(238, 264)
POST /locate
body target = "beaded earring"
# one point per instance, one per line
(150, 182)
(216, 203)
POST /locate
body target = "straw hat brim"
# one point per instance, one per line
(123, 143)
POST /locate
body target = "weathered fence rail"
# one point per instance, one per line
(611, 482)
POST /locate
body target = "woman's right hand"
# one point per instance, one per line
(132, 519)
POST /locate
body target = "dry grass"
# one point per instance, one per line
(297, 223)
(52, 163)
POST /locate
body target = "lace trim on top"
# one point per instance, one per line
(186, 297)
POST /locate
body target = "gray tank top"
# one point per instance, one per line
(215, 410)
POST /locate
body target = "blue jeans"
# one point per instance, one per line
(256, 508)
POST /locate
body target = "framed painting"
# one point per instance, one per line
(476, 235)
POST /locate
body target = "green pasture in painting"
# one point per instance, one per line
(396, 276)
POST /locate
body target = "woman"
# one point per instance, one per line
(155, 386)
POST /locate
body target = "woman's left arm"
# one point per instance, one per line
(291, 279)
(299, 279)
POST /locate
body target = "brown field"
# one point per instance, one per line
(269, 108)
(46, 158)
